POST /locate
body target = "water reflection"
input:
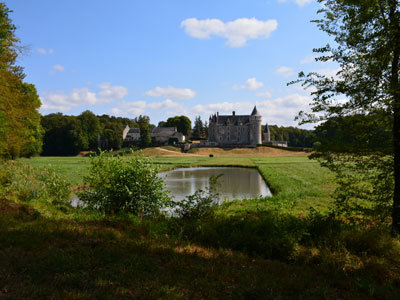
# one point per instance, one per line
(236, 183)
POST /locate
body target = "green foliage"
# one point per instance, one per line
(295, 137)
(111, 137)
(90, 129)
(63, 135)
(173, 141)
(199, 130)
(145, 139)
(365, 184)
(20, 130)
(182, 124)
(361, 104)
(199, 205)
(22, 182)
(129, 185)
(363, 134)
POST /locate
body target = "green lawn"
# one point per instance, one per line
(297, 181)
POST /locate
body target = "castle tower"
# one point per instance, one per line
(255, 127)
(267, 134)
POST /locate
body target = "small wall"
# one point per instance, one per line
(276, 143)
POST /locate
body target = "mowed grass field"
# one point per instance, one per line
(293, 178)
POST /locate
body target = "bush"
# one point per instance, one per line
(200, 204)
(129, 185)
(173, 141)
(25, 183)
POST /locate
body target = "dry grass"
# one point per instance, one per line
(220, 152)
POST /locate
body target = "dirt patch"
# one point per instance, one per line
(218, 152)
(259, 151)
(11, 208)
(157, 151)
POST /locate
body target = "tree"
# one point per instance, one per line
(367, 49)
(20, 131)
(63, 135)
(90, 128)
(197, 129)
(182, 124)
(145, 139)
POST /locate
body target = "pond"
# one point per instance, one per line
(235, 182)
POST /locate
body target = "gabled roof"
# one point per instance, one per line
(164, 130)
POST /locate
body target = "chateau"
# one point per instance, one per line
(235, 130)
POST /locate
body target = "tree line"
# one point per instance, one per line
(69, 135)
(295, 137)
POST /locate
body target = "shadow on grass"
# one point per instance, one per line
(46, 258)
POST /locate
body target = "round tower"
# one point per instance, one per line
(255, 127)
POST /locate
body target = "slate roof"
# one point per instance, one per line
(164, 130)
(233, 120)
(134, 130)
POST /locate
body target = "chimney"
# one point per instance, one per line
(233, 113)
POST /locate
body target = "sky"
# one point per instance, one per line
(163, 58)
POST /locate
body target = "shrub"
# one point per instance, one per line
(129, 185)
(28, 184)
(173, 141)
(200, 204)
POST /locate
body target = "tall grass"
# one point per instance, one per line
(24, 183)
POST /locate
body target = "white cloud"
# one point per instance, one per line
(171, 93)
(132, 109)
(236, 32)
(56, 68)
(285, 71)
(265, 94)
(62, 101)
(300, 3)
(45, 51)
(280, 111)
(308, 59)
(252, 84)
(222, 107)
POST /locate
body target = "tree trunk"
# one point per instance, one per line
(396, 146)
(395, 91)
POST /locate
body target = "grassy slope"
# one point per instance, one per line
(118, 259)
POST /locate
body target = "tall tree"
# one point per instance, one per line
(20, 131)
(90, 128)
(198, 129)
(145, 139)
(367, 49)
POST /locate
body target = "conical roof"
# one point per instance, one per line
(255, 112)
(266, 129)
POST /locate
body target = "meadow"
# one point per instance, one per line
(295, 179)
(284, 247)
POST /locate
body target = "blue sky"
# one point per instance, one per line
(167, 57)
